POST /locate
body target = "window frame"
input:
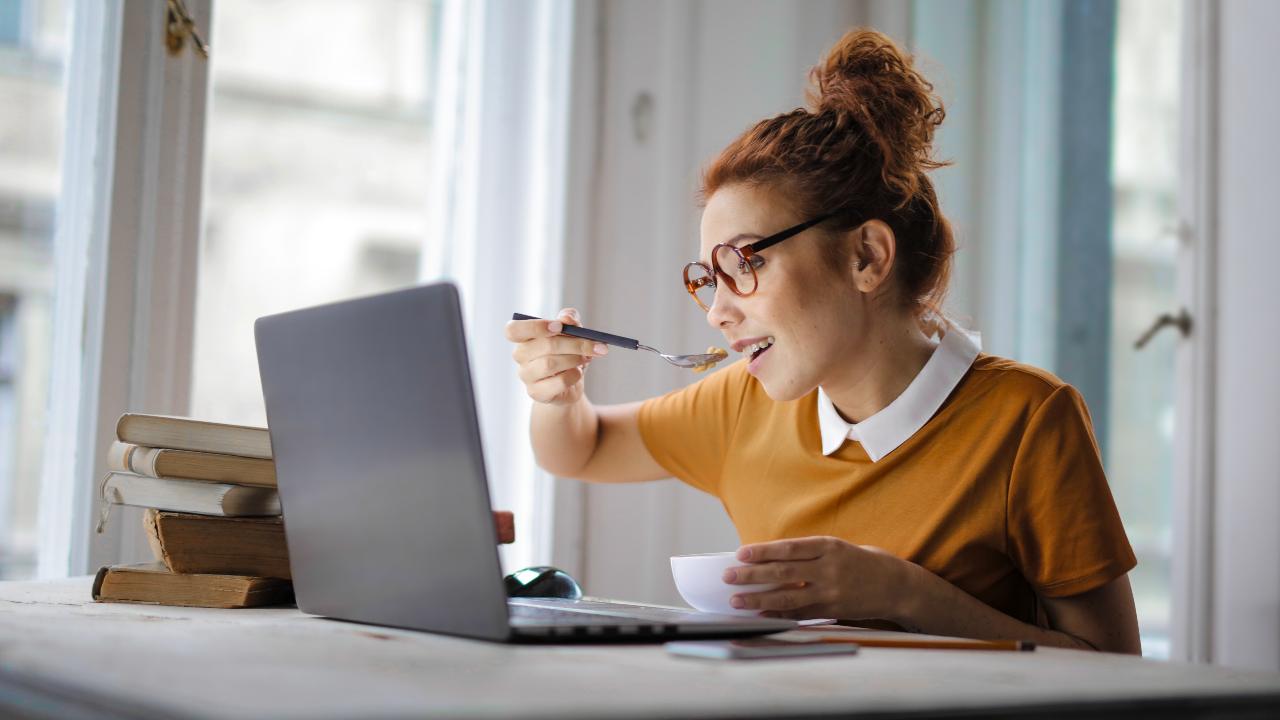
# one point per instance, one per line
(1194, 580)
(125, 254)
(126, 262)
(1015, 328)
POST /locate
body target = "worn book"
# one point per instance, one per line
(153, 583)
(188, 465)
(190, 496)
(182, 433)
(188, 543)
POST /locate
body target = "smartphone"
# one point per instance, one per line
(757, 648)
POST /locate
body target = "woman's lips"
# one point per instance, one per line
(742, 345)
(753, 367)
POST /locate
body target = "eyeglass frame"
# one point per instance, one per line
(748, 254)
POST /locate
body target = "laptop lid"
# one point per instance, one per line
(379, 463)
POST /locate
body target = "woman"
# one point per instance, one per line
(873, 469)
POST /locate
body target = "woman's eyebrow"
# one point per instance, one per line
(736, 241)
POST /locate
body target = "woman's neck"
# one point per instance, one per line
(876, 372)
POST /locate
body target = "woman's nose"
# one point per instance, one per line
(724, 308)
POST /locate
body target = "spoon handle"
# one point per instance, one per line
(588, 334)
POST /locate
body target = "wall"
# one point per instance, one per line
(679, 80)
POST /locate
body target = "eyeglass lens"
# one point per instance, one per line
(736, 271)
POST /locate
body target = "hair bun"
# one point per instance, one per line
(867, 76)
(863, 151)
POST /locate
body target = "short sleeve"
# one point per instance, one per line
(688, 431)
(1064, 530)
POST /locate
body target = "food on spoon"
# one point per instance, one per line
(713, 350)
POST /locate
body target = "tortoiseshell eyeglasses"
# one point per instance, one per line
(742, 263)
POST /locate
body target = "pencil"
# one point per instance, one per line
(1004, 645)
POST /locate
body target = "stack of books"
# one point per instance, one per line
(212, 514)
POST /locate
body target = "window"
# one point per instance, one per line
(10, 23)
(1062, 120)
(15, 552)
(1144, 245)
(33, 49)
(293, 169)
(318, 167)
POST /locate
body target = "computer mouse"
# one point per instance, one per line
(542, 581)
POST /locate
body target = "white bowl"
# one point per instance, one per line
(699, 580)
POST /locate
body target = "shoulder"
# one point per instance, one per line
(1012, 373)
(1016, 385)
(1014, 376)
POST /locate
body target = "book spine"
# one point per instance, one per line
(143, 461)
(118, 456)
(128, 458)
(150, 525)
(97, 583)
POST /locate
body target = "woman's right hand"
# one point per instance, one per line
(552, 365)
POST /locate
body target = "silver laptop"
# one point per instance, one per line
(383, 488)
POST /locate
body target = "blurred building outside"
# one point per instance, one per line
(33, 52)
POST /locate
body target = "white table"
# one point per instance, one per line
(62, 655)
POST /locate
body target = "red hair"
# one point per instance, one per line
(863, 146)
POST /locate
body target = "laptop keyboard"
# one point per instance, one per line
(592, 612)
(521, 614)
(549, 618)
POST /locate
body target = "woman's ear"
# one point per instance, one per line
(875, 248)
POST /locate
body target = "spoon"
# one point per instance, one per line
(684, 361)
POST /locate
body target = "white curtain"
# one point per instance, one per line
(498, 212)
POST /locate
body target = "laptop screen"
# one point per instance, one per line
(379, 463)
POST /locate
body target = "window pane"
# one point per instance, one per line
(318, 162)
(33, 52)
(1144, 183)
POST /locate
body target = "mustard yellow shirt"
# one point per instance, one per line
(1001, 492)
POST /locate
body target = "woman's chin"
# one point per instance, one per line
(784, 389)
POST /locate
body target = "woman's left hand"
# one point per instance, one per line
(822, 577)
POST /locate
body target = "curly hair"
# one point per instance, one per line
(863, 147)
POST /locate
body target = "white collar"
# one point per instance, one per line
(884, 431)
